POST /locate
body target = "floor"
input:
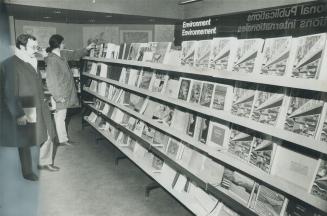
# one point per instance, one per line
(89, 184)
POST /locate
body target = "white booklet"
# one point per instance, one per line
(30, 114)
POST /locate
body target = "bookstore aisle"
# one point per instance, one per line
(90, 184)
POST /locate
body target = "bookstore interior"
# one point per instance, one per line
(186, 107)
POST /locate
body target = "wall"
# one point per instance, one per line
(155, 8)
(217, 7)
(73, 33)
(4, 34)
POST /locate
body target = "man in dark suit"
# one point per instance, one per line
(25, 116)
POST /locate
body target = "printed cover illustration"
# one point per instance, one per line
(268, 104)
(309, 56)
(223, 52)
(262, 152)
(243, 100)
(206, 94)
(276, 56)
(184, 89)
(247, 55)
(319, 187)
(146, 78)
(159, 82)
(188, 52)
(238, 185)
(240, 143)
(160, 49)
(303, 112)
(218, 134)
(222, 97)
(202, 53)
(323, 133)
(195, 93)
(269, 202)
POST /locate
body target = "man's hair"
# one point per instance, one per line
(22, 40)
(54, 42)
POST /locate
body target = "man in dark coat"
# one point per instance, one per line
(25, 115)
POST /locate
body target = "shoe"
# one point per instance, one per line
(31, 177)
(66, 144)
(50, 168)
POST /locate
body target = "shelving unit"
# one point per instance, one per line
(223, 157)
(177, 166)
(306, 84)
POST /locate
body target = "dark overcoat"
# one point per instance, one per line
(21, 87)
(60, 80)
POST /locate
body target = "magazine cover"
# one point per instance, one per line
(299, 208)
(303, 112)
(133, 76)
(160, 51)
(146, 79)
(191, 124)
(269, 202)
(173, 56)
(159, 83)
(195, 162)
(188, 52)
(186, 155)
(135, 102)
(222, 97)
(323, 128)
(127, 50)
(157, 163)
(277, 56)
(180, 120)
(172, 88)
(163, 114)
(174, 149)
(319, 187)
(239, 186)
(203, 129)
(262, 152)
(247, 58)
(148, 133)
(122, 48)
(223, 51)
(196, 89)
(218, 135)
(133, 51)
(240, 143)
(293, 166)
(269, 102)
(184, 89)
(202, 53)
(211, 172)
(93, 69)
(310, 52)
(160, 140)
(206, 94)
(243, 100)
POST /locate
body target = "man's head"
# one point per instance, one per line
(27, 43)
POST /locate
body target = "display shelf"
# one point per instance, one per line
(181, 197)
(279, 133)
(227, 159)
(306, 84)
(224, 196)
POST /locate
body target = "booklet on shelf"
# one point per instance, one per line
(310, 57)
(293, 166)
(319, 185)
(239, 186)
(146, 79)
(240, 143)
(303, 112)
(211, 172)
(247, 59)
(160, 52)
(222, 97)
(206, 94)
(188, 53)
(277, 55)
(269, 103)
(263, 152)
(202, 53)
(174, 149)
(173, 56)
(195, 92)
(243, 100)
(172, 88)
(218, 135)
(159, 83)
(180, 120)
(184, 89)
(133, 51)
(148, 133)
(223, 51)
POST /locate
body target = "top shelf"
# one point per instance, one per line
(306, 84)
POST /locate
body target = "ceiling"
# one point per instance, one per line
(44, 14)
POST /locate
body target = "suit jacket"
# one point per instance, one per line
(21, 87)
(60, 80)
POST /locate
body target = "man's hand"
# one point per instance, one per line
(61, 100)
(22, 120)
(90, 46)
